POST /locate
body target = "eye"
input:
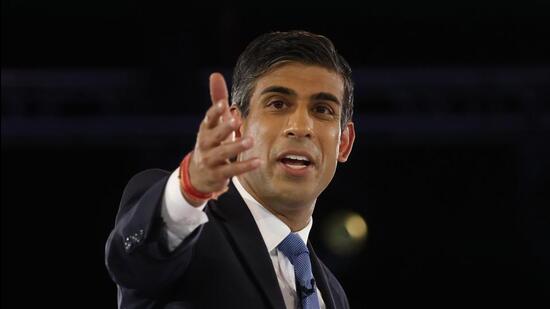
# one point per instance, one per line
(323, 109)
(277, 104)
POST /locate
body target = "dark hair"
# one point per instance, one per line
(270, 49)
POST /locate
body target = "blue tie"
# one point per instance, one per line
(296, 251)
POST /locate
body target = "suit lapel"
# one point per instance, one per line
(321, 279)
(246, 238)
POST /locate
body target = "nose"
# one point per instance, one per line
(299, 124)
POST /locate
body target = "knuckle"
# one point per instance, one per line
(242, 167)
(202, 143)
(218, 136)
(228, 126)
(248, 165)
(211, 111)
(225, 152)
(206, 161)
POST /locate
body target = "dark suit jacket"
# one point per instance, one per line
(222, 264)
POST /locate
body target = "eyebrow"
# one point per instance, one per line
(279, 89)
(323, 96)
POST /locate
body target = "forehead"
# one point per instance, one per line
(303, 79)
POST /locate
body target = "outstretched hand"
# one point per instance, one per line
(210, 168)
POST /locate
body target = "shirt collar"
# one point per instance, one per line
(273, 229)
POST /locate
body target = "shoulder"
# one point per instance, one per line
(143, 181)
(145, 178)
(139, 184)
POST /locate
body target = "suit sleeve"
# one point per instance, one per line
(136, 253)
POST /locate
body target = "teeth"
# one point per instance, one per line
(295, 157)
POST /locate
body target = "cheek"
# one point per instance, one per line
(332, 144)
(262, 136)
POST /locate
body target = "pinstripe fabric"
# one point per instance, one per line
(296, 251)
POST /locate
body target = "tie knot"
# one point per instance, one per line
(292, 247)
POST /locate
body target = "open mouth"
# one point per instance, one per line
(295, 161)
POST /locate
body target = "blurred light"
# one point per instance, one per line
(345, 233)
(356, 226)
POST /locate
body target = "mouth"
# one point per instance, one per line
(296, 164)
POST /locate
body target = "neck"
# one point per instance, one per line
(295, 220)
(295, 214)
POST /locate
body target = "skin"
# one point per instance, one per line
(294, 108)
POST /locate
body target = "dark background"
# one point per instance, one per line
(450, 168)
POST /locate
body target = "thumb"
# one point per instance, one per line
(218, 88)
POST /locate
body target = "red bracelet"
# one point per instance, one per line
(185, 182)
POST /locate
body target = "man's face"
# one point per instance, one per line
(294, 118)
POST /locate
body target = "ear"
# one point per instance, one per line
(346, 142)
(236, 113)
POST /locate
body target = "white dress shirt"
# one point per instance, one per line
(181, 219)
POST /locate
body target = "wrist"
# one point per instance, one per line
(191, 194)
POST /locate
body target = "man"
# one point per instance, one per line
(229, 227)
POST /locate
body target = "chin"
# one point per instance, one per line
(293, 193)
